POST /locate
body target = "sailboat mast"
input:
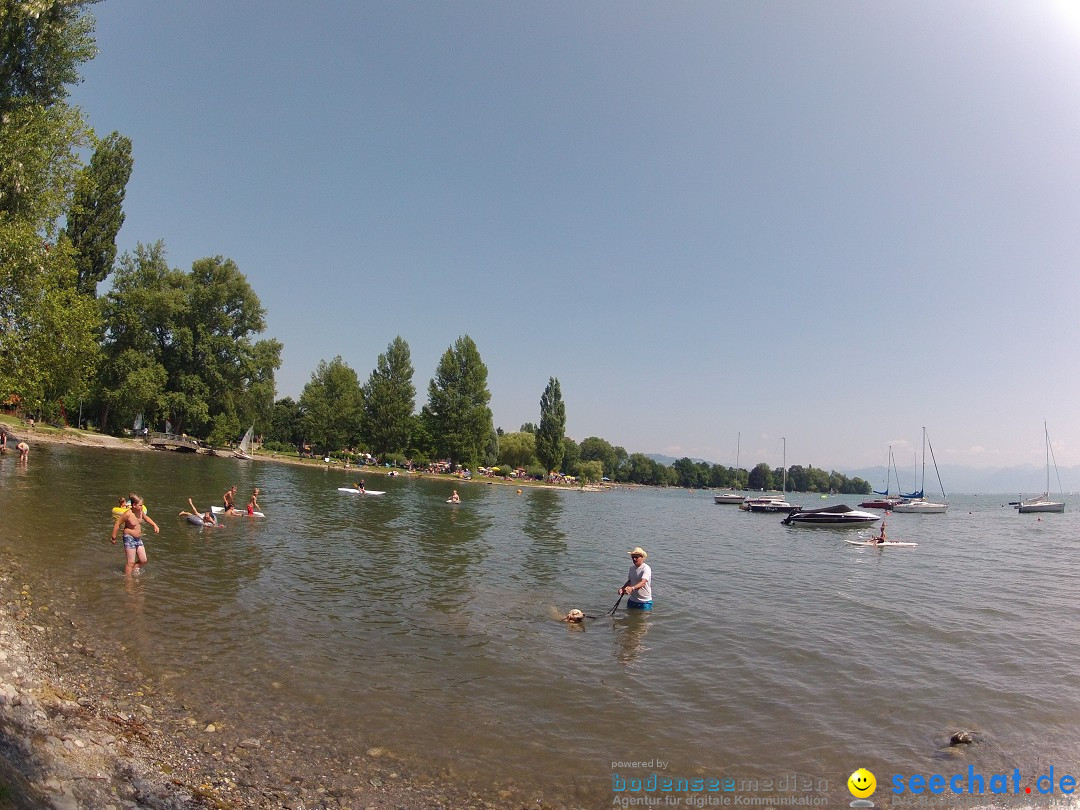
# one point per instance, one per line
(1046, 431)
(784, 440)
(923, 487)
(738, 447)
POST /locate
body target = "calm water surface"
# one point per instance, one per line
(429, 629)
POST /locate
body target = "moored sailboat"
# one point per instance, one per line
(732, 497)
(920, 505)
(1042, 503)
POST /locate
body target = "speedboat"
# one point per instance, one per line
(838, 515)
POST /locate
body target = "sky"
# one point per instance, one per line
(725, 227)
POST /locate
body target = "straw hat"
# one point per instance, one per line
(575, 615)
(639, 550)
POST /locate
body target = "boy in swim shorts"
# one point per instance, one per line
(134, 550)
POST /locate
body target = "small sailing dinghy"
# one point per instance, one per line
(244, 450)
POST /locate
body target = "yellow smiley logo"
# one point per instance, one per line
(861, 783)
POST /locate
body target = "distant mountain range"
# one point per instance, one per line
(1026, 478)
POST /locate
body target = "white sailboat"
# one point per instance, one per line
(244, 451)
(732, 497)
(921, 506)
(1043, 503)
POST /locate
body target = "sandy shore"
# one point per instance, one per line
(79, 728)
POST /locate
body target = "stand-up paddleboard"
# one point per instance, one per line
(893, 543)
(355, 491)
(220, 510)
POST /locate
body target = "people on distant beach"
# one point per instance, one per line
(228, 500)
(207, 517)
(638, 585)
(24, 451)
(134, 550)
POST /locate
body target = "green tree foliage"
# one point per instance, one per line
(42, 44)
(529, 427)
(589, 472)
(571, 456)
(549, 438)
(389, 401)
(457, 413)
(96, 212)
(594, 448)
(286, 422)
(640, 469)
(332, 406)
(760, 477)
(199, 328)
(518, 450)
(48, 332)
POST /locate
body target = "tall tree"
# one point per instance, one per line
(457, 411)
(97, 211)
(42, 44)
(549, 438)
(47, 335)
(199, 327)
(48, 331)
(332, 405)
(389, 401)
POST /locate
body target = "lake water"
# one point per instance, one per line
(774, 653)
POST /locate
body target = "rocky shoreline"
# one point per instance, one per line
(79, 729)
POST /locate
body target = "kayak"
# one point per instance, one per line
(880, 545)
(355, 491)
(220, 510)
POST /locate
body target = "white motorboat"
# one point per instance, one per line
(839, 515)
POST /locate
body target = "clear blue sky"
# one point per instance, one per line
(833, 221)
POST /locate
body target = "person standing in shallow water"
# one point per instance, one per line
(134, 550)
(638, 585)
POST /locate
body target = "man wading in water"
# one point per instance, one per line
(134, 549)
